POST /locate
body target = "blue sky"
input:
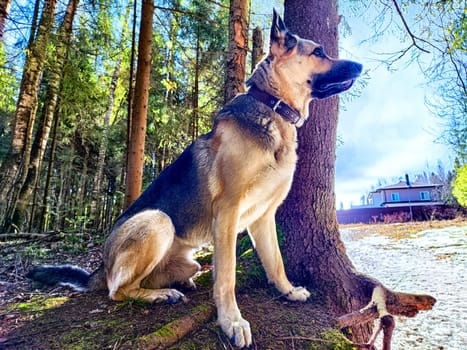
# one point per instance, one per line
(388, 130)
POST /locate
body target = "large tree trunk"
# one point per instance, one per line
(131, 90)
(314, 251)
(18, 156)
(4, 12)
(134, 178)
(237, 50)
(42, 134)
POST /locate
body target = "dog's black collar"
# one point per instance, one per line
(277, 105)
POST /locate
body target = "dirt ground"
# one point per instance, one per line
(57, 318)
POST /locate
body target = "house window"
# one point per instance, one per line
(395, 197)
(425, 195)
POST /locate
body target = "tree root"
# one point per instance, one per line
(383, 305)
(172, 332)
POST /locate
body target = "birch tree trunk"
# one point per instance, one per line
(237, 50)
(134, 179)
(14, 168)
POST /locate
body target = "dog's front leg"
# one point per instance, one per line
(264, 234)
(229, 318)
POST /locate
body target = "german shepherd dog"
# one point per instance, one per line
(231, 179)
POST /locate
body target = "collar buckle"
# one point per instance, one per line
(276, 105)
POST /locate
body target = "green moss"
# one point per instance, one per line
(163, 332)
(333, 340)
(37, 304)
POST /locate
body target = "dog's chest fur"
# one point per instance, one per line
(256, 148)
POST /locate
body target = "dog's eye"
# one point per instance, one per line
(319, 52)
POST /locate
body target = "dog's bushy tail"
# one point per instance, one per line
(63, 275)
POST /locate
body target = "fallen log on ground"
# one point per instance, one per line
(172, 332)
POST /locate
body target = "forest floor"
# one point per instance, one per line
(57, 318)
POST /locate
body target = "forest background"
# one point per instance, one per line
(78, 130)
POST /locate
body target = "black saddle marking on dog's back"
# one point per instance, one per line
(175, 192)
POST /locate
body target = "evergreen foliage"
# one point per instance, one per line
(190, 37)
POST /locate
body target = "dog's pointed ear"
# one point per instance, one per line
(278, 27)
(281, 40)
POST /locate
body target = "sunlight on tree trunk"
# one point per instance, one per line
(238, 49)
(134, 178)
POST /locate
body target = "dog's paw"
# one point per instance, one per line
(237, 330)
(169, 295)
(298, 294)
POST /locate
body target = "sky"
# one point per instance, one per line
(388, 131)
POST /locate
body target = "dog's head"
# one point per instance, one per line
(298, 70)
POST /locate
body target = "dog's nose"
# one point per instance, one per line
(357, 68)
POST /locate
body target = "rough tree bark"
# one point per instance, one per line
(314, 251)
(18, 156)
(56, 64)
(134, 179)
(131, 91)
(237, 49)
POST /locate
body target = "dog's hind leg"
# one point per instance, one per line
(133, 251)
(178, 267)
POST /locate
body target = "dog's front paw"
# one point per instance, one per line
(237, 330)
(298, 294)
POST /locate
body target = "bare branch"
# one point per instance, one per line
(406, 26)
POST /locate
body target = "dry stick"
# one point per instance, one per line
(172, 332)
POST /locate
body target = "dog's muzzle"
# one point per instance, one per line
(339, 79)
